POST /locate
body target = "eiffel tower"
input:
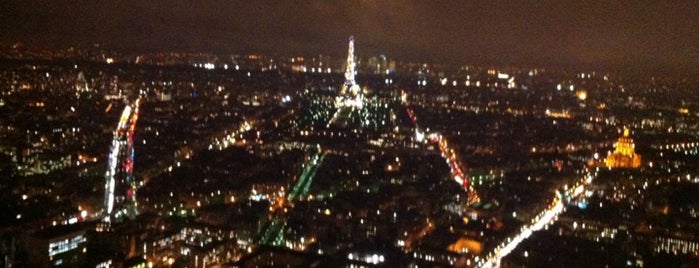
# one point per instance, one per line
(350, 94)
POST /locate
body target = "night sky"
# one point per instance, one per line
(630, 35)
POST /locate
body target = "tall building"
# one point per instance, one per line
(380, 65)
(624, 155)
(121, 186)
(350, 94)
(82, 89)
(81, 84)
(350, 101)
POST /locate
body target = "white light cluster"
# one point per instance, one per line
(66, 245)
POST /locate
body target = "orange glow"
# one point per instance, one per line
(624, 155)
(582, 95)
(558, 114)
(466, 245)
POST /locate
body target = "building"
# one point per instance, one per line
(81, 84)
(60, 246)
(121, 186)
(624, 155)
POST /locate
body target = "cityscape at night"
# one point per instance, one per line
(349, 134)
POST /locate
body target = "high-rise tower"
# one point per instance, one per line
(350, 70)
(82, 88)
(350, 94)
(81, 84)
(121, 186)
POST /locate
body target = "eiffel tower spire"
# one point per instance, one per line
(350, 94)
(350, 71)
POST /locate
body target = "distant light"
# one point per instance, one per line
(582, 204)
(375, 258)
(582, 95)
(419, 136)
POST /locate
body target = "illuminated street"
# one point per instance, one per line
(542, 220)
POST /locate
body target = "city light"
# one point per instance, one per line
(205, 151)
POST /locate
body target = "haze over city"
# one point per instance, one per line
(618, 35)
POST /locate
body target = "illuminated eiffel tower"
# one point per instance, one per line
(350, 94)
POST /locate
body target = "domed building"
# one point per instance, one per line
(624, 155)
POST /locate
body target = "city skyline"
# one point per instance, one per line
(620, 36)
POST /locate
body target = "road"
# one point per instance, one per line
(544, 218)
(221, 139)
(273, 233)
(455, 167)
(448, 153)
